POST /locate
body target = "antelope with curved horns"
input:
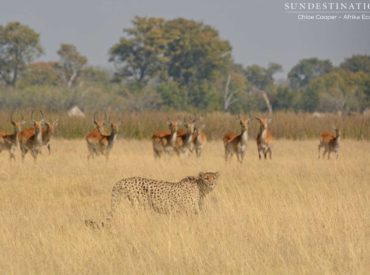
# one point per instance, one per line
(264, 138)
(10, 141)
(330, 142)
(199, 139)
(47, 133)
(107, 140)
(164, 141)
(31, 139)
(237, 144)
(94, 136)
(184, 143)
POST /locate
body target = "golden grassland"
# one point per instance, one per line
(292, 215)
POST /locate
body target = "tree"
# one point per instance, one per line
(181, 50)
(302, 73)
(262, 79)
(139, 56)
(40, 73)
(71, 63)
(195, 52)
(357, 63)
(19, 46)
(236, 83)
(338, 90)
(95, 75)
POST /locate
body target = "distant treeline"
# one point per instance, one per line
(287, 125)
(168, 65)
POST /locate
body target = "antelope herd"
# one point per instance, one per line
(175, 141)
(179, 141)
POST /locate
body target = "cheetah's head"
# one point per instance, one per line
(209, 179)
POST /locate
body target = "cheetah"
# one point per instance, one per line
(163, 197)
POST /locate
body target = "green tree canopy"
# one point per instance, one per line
(357, 63)
(71, 63)
(261, 77)
(140, 54)
(181, 50)
(338, 90)
(19, 46)
(40, 73)
(195, 52)
(302, 73)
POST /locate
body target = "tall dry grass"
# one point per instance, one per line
(292, 215)
(287, 125)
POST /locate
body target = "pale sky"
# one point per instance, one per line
(259, 30)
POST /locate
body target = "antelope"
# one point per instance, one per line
(164, 141)
(47, 133)
(264, 138)
(94, 136)
(199, 139)
(10, 141)
(184, 143)
(330, 142)
(230, 135)
(31, 139)
(106, 141)
(237, 143)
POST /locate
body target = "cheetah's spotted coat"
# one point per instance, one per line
(187, 195)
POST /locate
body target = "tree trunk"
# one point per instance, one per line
(267, 101)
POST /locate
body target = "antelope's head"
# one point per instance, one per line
(198, 129)
(17, 124)
(190, 126)
(51, 126)
(37, 124)
(113, 125)
(337, 132)
(172, 124)
(99, 123)
(264, 122)
(243, 123)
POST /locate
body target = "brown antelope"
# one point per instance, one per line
(264, 138)
(330, 142)
(31, 139)
(237, 144)
(164, 142)
(106, 141)
(94, 136)
(230, 135)
(199, 139)
(47, 133)
(184, 143)
(10, 141)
